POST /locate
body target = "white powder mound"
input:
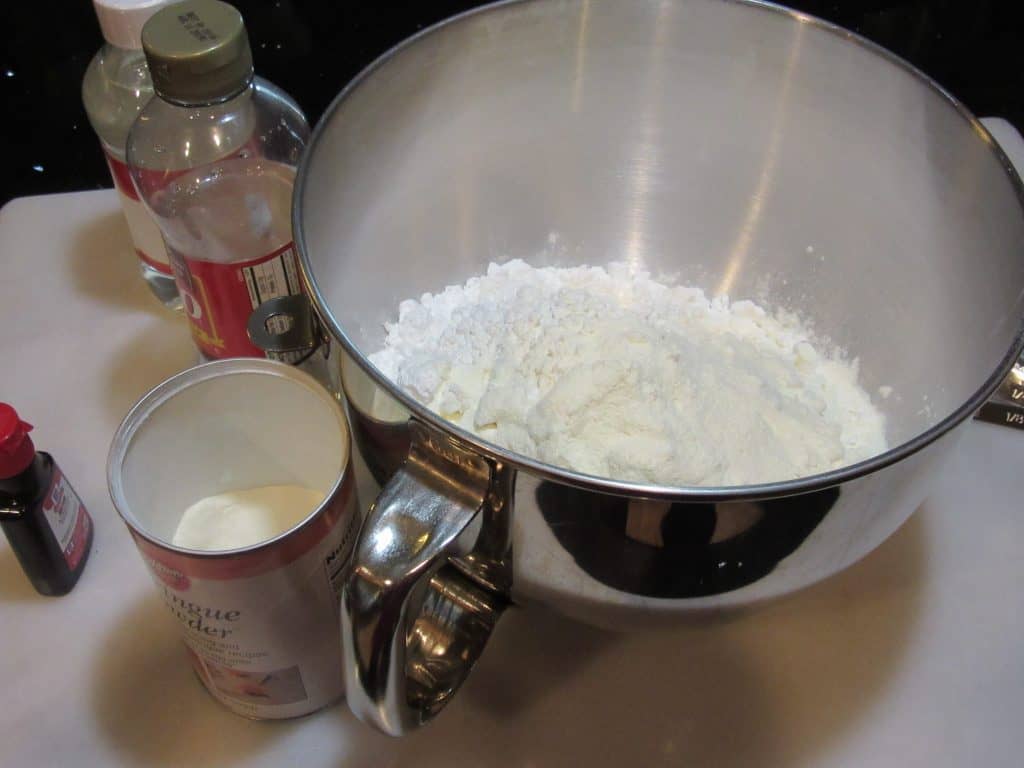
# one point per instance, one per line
(244, 518)
(609, 372)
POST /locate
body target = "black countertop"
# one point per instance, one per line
(311, 48)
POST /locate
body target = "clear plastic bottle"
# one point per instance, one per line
(214, 159)
(115, 89)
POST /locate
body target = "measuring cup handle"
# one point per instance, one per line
(412, 624)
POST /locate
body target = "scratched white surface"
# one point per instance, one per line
(911, 657)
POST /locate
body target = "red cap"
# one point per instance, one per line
(16, 449)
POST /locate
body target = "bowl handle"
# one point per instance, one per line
(412, 623)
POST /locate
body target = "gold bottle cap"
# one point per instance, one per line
(198, 52)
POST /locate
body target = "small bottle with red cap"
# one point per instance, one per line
(44, 520)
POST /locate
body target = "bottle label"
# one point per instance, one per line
(219, 298)
(67, 518)
(149, 245)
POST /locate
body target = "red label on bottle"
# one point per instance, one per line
(67, 518)
(149, 245)
(219, 298)
(122, 177)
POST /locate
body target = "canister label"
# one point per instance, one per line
(262, 626)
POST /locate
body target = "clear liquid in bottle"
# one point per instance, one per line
(228, 231)
(115, 89)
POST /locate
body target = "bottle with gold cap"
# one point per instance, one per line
(213, 156)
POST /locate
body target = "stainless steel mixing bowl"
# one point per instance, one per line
(739, 146)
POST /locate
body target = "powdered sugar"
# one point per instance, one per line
(612, 373)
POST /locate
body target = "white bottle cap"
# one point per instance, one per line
(121, 20)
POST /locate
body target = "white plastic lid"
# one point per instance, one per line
(121, 20)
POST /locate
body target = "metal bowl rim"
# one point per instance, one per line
(704, 494)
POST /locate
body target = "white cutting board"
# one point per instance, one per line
(912, 657)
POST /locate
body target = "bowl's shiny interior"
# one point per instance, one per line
(735, 146)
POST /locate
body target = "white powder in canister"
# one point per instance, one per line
(242, 518)
(609, 372)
